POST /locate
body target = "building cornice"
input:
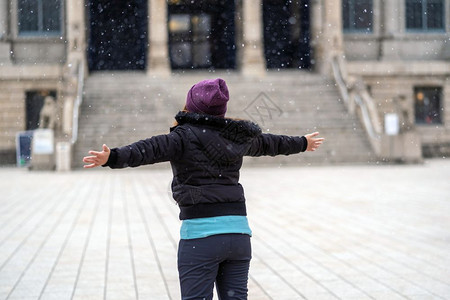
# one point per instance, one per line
(31, 72)
(396, 68)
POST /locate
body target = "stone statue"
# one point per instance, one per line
(47, 116)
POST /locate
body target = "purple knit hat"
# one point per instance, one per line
(208, 97)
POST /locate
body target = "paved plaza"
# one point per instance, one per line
(328, 232)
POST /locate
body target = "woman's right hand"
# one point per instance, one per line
(97, 158)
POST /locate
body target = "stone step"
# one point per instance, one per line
(285, 111)
(123, 107)
(144, 100)
(195, 76)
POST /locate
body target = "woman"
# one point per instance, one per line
(205, 150)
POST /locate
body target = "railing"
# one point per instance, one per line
(78, 101)
(354, 93)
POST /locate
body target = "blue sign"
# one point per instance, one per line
(23, 148)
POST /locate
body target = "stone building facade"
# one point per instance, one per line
(399, 49)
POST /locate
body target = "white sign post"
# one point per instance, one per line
(391, 124)
(43, 149)
(43, 141)
(392, 129)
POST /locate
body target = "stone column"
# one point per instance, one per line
(391, 17)
(253, 62)
(4, 45)
(76, 56)
(316, 24)
(328, 38)
(391, 24)
(158, 53)
(75, 31)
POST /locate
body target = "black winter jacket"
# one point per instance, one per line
(206, 155)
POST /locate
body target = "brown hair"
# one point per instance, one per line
(183, 110)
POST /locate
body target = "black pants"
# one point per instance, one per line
(223, 259)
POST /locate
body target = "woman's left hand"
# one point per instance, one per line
(98, 158)
(313, 142)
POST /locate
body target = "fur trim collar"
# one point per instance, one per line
(230, 128)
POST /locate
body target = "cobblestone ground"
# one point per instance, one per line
(339, 232)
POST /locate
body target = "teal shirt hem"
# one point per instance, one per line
(204, 227)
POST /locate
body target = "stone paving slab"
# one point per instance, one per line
(338, 232)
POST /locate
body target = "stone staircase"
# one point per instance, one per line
(123, 107)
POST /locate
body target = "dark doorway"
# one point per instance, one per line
(287, 34)
(34, 101)
(202, 34)
(117, 35)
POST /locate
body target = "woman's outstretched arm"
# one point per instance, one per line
(273, 144)
(156, 149)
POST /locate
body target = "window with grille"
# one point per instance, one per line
(189, 36)
(202, 34)
(425, 15)
(428, 105)
(357, 15)
(39, 17)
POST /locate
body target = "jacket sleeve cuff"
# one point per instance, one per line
(112, 159)
(305, 144)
